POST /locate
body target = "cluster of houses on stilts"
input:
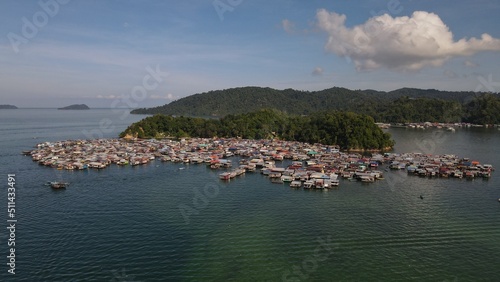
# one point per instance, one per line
(310, 166)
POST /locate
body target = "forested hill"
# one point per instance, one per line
(431, 105)
(220, 103)
(348, 130)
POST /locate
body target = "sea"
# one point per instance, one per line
(177, 222)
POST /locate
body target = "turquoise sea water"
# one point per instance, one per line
(161, 223)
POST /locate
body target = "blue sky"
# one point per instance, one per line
(99, 52)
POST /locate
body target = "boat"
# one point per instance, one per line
(58, 185)
(411, 169)
(286, 178)
(308, 184)
(320, 184)
(394, 165)
(377, 174)
(250, 168)
(327, 184)
(458, 174)
(225, 175)
(295, 184)
(274, 175)
(124, 162)
(488, 167)
(239, 171)
(469, 174)
(276, 181)
(265, 171)
(367, 179)
(347, 174)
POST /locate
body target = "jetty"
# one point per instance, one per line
(311, 166)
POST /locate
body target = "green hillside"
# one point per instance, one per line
(402, 105)
(348, 130)
(247, 99)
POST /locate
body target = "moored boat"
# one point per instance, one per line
(274, 175)
(225, 176)
(367, 178)
(308, 184)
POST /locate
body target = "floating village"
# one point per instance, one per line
(435, 125)
(310, 166)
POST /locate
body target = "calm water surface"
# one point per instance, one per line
(161, 223)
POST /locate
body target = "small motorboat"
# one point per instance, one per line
(58, 185)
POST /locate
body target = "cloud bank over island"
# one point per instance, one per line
(398, 43)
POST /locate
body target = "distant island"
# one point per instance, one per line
(8, 107)
(403, 105)
(75, 107)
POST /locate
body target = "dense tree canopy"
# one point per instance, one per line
(345, 129)
(484, 109)
(405, 110)
(402, 105)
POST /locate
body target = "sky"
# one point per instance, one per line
(149, 53)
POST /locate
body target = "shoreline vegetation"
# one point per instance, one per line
(347, 130)
(405, 105)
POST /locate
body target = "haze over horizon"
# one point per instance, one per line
(59, 52)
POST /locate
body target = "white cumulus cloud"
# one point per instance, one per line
(400, 43)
